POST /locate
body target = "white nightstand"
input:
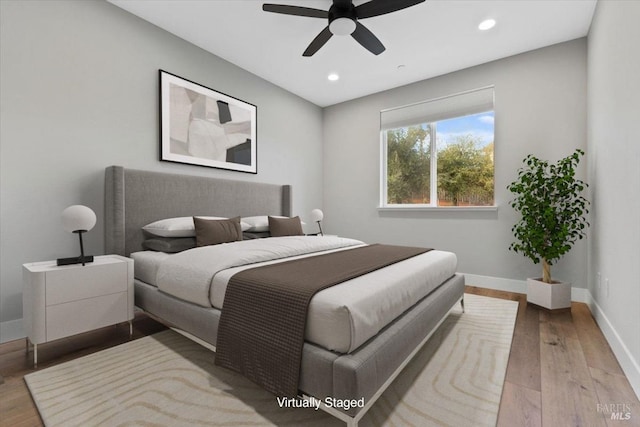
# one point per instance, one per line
(61, 301)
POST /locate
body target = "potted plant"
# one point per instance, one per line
(548, 196)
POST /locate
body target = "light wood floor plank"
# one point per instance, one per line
(524, 359)
(567, 390)
(16, 405)
(593, 341)
(615, 395)
(520, 406)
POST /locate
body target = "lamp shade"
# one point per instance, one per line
(78, 218)
(316, 215)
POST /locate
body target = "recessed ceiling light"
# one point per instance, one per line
(333, 77)
(401, 67)
(487, 24)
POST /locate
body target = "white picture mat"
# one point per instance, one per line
(235, 105)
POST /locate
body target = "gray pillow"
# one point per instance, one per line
(169, 245)
(279, 227)
(216, 231)
(249, 235)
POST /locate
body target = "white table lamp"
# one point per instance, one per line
(316, 216)
(78, 219)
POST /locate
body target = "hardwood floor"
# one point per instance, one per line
(561, 370)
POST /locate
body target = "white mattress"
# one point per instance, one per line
(342, 317)
(145, 265)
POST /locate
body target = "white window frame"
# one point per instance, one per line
(433, 182)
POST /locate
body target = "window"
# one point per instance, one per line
(439, 153)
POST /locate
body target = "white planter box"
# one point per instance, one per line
(551, 296)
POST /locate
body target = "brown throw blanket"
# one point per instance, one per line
(261, 331)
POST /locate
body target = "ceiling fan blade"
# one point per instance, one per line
(295, 10)
(367, 39)
(318, 42)
(381, 7)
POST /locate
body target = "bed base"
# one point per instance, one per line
(352, 421)
(383, 351)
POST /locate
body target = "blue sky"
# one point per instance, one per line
(480, 124)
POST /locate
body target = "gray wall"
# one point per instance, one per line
(79, 92)
(614, 173)
(540, 108)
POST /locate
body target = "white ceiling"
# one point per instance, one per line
(430, 39)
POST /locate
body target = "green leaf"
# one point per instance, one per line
(552, 209)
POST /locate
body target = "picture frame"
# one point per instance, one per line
(204, 127)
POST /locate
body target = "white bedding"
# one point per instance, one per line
(187, 275)
(340, 318)
(145, 265)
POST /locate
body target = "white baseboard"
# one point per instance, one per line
(497, 283)
(11, 330)
(518, 286)
(628, 363)
(581, 295)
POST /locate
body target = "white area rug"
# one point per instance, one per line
(168, 380)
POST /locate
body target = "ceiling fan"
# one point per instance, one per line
(343, 19)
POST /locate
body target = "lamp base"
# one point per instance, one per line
(75, 260)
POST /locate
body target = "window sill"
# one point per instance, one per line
(437, 208)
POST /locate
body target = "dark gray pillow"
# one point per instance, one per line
(250, 235)
(216, 231)
(169, 245)
(279, 227)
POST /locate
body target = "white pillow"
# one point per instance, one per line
(259, 223)
(179, 227)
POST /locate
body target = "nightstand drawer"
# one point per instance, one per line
(73, 284)
(81, 316)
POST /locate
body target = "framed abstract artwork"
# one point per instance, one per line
(201, 126)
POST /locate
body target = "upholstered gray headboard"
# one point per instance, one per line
(134, 198)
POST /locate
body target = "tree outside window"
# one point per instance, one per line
(445, 163)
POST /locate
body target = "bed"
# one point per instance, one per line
(358, 364)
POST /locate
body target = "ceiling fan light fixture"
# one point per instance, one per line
(487, 24)
(344, 19)
(342, 26)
